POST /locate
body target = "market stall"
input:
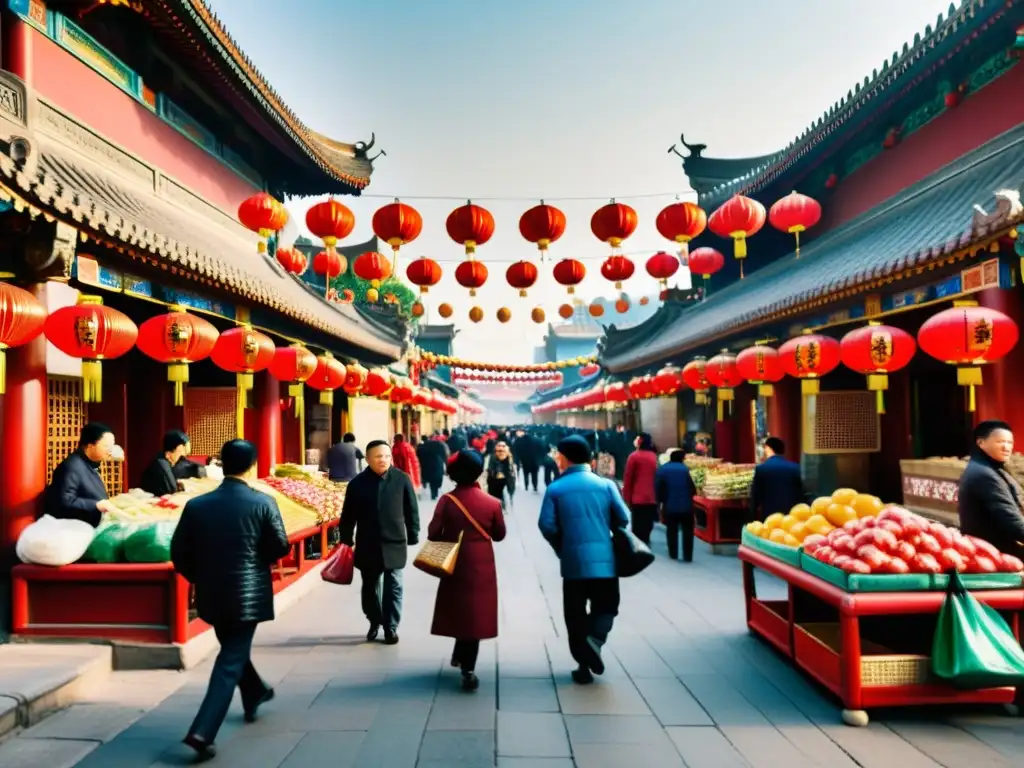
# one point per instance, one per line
(931, 486)
(863, 599)
(721, 506)
(148, 602)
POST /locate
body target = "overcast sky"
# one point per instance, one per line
(527, 99)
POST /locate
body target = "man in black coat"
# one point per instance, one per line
(225, 543)
(778, 485)
(527, 453)
(433, 456)
(159, 478)
(382, 518)
(990, 498)
(76, 491)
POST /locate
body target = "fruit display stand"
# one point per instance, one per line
(870, 649)
(719, 522)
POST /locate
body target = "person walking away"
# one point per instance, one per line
(225, 543)
(620, 446)
(674, 489)
(638, 487)
(466, 607)
(433, 457)
(159, 477)
(76, 491)
(777, 485)
(577, 516)
(381, 516)
(405, 459)
(501, 473)
(550, 469)
(343, 459)
(991, 500)
(527, 450)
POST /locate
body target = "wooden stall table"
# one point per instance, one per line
(719, 522)
(831, 635)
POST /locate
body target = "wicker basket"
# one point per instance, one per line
(895, 670)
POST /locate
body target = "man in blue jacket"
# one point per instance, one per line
(777, 485)
(578, 513)
(674, 489)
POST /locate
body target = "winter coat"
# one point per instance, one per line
(433, 456)
(404, 457)
(158, 478)
(577, 516)
(225, 543)
(497, 486)
(675, 489)
(638, 482)
(777, 487)
(74, 490)
(382, 517)
(467, 601)
(989, 504)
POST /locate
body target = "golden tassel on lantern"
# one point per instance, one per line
(765, 389)
(243, 385)
(810, 387)
(327, 397)
(177, 373)
(878, 383)
(725, 395)
(969, 377)
(297, 392)
(92, 381)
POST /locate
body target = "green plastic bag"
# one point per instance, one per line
(973, 646)
(108, 544)
(150, 544)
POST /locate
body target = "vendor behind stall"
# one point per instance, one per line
(77, 491)
(990, 501)
(161, 476)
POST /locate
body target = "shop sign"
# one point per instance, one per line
(947, 491)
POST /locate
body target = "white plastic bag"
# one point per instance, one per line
(49, 541)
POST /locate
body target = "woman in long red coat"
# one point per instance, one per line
(638, 487)
(467, 601)
(404, 457)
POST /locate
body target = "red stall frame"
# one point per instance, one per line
(734, 511)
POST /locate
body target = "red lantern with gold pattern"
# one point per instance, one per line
(543, 224)
(968, 336)
(738, 218)
(570, 273)
(521, 275)
(640, 387)
(355, 379)
(330, 374)
(808, 358)
(681, 223)
(397, 224)
(292, 260)
(294, 364)
(760, 365)
(330, 221)
(423, 272)
(613, 223)
(668, 381)
(471, 274)
(22, 317)
(876, 351)
(378, 381)
(695, 377)
(795, 213)
(469, 226)
(242, 351)
(177, 339)
(264, 215)
(91, 332)
(661, 266)
(617, 269)
(373, 267)
(722, 373)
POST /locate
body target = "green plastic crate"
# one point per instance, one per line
(980, 581)
(782, 553)
(823, 571)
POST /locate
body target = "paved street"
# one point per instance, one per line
(685, 686)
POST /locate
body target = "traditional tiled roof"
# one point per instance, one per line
(949, 37)
(919, 229)
(446, 332)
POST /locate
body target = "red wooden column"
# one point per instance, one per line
(23, 428)
(999, 395)
(17, 47)
(268, 411)
(785, 413)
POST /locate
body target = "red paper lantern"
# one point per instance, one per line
(373, 267)
(681, 223)
(397, 224)
(615, 394)
(470, 225)
(661, 266)
(401, 392)
(738, 218)
(795, 213)
(543, 224)
(968, 336)
(668, 381)
(264, 215)
(329, 264)
(570, 273)
(705, 262)
(330, 221)
(613, 223)
(91, 332)
(695, 377)
(471, 274)
(521, 275)
(294, 364)
(330, 374)
(590, 369)
(378, 382)
(876, 351)
(423, 272)
(721, 372)
(22, 317)
(617, 269)
(640, 387)
(243, 351)
(292, 260)
(760, 365)
(177, 339)
(808, 358)
(421, 397)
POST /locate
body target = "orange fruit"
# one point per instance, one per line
(774, 521)
(777, 535)
(840, 514)
(755, 527)
(801, 512)
(867, 505)
(799, 531)
(790, 540)
(821, 504)
(788, 522)
(818, 524)
(844, 496)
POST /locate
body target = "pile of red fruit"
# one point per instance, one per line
(898, 541)
(325, 502)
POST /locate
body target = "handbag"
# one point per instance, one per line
(631, 554)
(340, 567)
(438, 558)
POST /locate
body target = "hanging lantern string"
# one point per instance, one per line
(545, 198)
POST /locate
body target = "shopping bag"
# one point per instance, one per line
(973, 646)
(438, 558)
(340, 567)
(150, 543)
(108, 544)
(49, 541)
(631, 554)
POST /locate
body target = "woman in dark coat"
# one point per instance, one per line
(501, 473)
(467, 601)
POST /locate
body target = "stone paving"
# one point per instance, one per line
(685, 686)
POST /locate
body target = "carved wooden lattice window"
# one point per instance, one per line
(210, 418)
(841, 422)
(66, 414)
